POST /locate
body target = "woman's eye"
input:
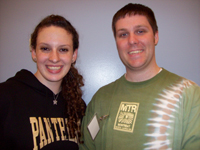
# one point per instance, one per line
(44, 48)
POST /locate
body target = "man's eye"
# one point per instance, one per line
(140, 31)
(63, 49)
(123, 34)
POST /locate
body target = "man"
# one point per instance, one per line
(148, 107)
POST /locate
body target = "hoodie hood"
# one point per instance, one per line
(28, 78)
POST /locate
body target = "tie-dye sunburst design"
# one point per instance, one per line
(161, 123)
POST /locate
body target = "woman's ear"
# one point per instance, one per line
(33, 54)
(74, 57)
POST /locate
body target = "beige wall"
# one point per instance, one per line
(178, 49)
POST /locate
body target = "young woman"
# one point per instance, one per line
(44, 110)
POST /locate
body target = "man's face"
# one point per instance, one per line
(136, 42)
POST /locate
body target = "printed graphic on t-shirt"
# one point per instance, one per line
(126, 116)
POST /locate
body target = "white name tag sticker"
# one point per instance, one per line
(93, 127)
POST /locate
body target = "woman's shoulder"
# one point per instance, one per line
(7, 86)
(13, 84)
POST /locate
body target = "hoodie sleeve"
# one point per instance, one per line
(5, 97)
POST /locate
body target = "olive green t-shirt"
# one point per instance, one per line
(160, 113)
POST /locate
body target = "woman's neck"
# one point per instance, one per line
(55, 87)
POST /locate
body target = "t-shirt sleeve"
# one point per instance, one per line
(88, 143)
(191, 120)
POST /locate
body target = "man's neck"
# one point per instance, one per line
(142, 75)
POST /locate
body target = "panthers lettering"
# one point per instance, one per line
(48, 130)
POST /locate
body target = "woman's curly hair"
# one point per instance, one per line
(75, 105)
(72, 82)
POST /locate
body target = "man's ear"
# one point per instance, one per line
(74, 57)
(156, 37)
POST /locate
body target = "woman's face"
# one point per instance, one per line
(53, 54)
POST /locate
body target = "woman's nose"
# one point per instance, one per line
(54, 56)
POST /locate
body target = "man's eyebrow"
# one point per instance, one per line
(122, 29)
(139, 26)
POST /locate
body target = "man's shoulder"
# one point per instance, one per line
(109, 87)
(105, 92)
(184, 82)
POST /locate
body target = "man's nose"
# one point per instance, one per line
(133, 39)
